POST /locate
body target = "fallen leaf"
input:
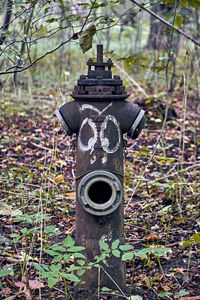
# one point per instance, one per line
(33, 284)
(166, 288)
(18, 148)
(180, 270)
(151, 238)
(20, 284)
(71, 195)
(7, 210)
(58, 178)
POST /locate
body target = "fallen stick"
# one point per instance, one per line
(190, 298)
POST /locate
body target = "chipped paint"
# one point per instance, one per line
(104, 160)
(93, 159)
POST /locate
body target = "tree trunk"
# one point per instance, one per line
(5, 27)
(158, 35)
(6, 22)
(24, 42)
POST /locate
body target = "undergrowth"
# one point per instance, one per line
(37, 207)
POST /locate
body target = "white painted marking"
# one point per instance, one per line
(93, 159)
(105, 143)
(104, 159)
(89, 106)
(92, 141)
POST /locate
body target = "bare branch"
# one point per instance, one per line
(17, 68)
(18, 15)
(91, 8)
(166, 22)
(24, 42)
(21, 69)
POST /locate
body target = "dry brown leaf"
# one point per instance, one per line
(180, 270)
(58, 178)
(166, 288)
(151, 238)
(18, 148)
(71, 195)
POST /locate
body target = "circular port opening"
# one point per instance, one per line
(100, 192)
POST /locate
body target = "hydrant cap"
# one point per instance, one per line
(99, 83)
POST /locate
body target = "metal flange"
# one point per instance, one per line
(100, 192)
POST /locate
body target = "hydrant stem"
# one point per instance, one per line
(100, 53)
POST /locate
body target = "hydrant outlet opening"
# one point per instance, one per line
(100, 192)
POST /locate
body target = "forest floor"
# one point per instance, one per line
(162, 199)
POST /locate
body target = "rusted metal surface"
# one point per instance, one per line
(98, 83)
(99, 140)
(99, 127)
(89, 230)
(100, 116)
(69, 114)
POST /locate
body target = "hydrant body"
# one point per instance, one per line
(100, 116)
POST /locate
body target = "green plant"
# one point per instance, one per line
(54, 272)
(4, 273)
(126, 253)
(195, 239)
(62, 254)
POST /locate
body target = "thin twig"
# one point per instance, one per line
(166, 109)
(166, 22)
(131, 80)
(115, 283)
(91, 8)
(175, 173)
(41, 147)
(21, 69)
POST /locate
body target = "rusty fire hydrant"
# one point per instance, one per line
(99, 116)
